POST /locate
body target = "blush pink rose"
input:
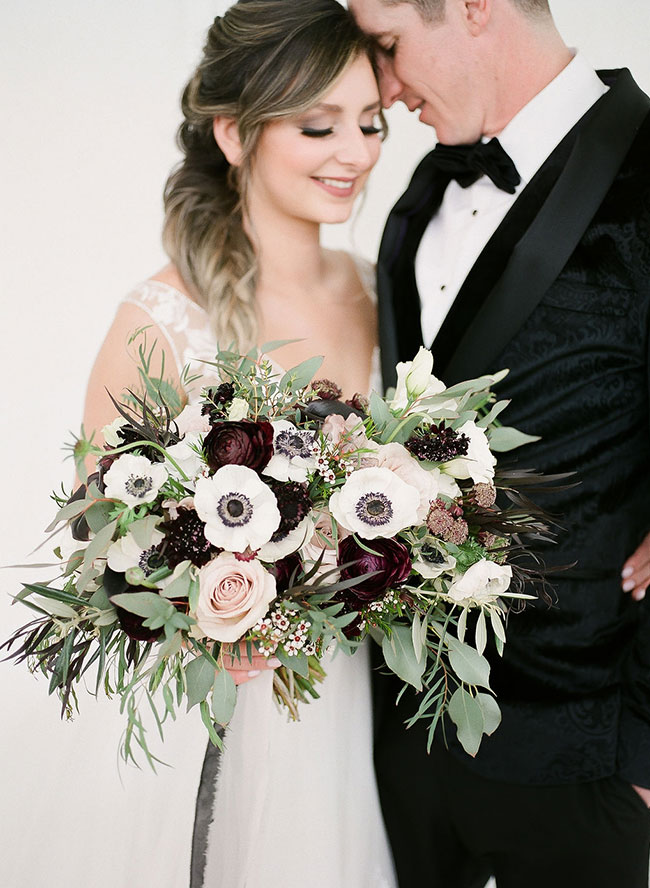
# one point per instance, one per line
(397, 458)
(349, 435)
(233, 596)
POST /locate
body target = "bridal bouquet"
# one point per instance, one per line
(272, 517)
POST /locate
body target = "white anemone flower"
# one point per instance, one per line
(239, 510)
(187, 454)
(432, 569)
(294, 540)
(134, 479)
(125, 553)
(292, 454)
(375, 503)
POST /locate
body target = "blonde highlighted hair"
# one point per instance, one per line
(264, 60)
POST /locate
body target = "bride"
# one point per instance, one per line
(282, 125)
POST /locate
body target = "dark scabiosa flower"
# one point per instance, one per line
(294, 505)
(216, 401)
(284, 569)
(185, 540)
(447, 523)
(391, 558)
(437, 443)
(242, 443)
(326, 389)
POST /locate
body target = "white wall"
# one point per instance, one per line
(89, 95)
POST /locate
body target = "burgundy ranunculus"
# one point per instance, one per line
(283, 570)
(392, 559)
(243, 443)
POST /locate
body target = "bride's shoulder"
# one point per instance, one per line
(165, 297)
(360, 269)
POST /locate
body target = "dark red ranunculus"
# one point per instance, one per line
(392, 559)
(242, 443)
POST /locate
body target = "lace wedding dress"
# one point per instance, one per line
(291, 804)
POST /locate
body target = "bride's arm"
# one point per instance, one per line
(116, 367)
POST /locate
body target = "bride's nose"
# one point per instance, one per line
(356, 149)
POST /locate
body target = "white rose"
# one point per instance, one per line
(233, 596)
(415, 380)
(479, 462)
(109, 432)
(481, 583)
(238, 410)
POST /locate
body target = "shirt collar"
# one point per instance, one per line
(536, 130)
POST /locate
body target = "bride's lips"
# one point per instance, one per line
(337, 187)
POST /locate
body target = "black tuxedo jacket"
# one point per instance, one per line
(560, 296)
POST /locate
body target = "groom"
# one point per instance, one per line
(531, 252)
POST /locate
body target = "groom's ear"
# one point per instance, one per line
(477, 14)
(226, 135)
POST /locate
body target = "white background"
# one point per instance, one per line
(89, 98)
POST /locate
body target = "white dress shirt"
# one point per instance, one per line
(468, 217)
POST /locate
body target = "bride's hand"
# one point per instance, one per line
(636, 571)
(241, 668)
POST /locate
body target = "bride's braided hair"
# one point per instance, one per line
(264, 60)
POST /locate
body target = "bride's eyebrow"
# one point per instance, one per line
(336, 109)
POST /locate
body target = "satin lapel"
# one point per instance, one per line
(400, 333)
(538, 258)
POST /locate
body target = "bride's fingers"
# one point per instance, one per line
(636, 571)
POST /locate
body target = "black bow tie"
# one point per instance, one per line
(467, 163)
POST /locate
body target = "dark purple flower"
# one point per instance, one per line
(243, 443)
(437, 443)
(185, 539)
(294, 505)
(284, 569)
(392, 559)
(216, 399)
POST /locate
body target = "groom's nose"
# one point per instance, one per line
(390, 86)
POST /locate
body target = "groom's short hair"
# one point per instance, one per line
(434, 10)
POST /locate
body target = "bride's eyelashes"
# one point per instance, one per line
(320, 133)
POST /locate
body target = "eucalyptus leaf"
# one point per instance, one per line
(142, 530)
(199, 678)
(67, 512)
(504, 438)
(144, 604)
(302, 374)
(467, 715)
(379, 411)
(193, 594)
(496, 410)
(491, 713)
(99, 543)
(98, 515)
(275, 344)
(400, 657)
(224, 697)
(298, 663)
(179, 587)
(470, 666)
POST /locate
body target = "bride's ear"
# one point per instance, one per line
(226, 135)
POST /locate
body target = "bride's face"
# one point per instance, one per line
(313, 166)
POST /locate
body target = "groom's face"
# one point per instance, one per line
(429, 66)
